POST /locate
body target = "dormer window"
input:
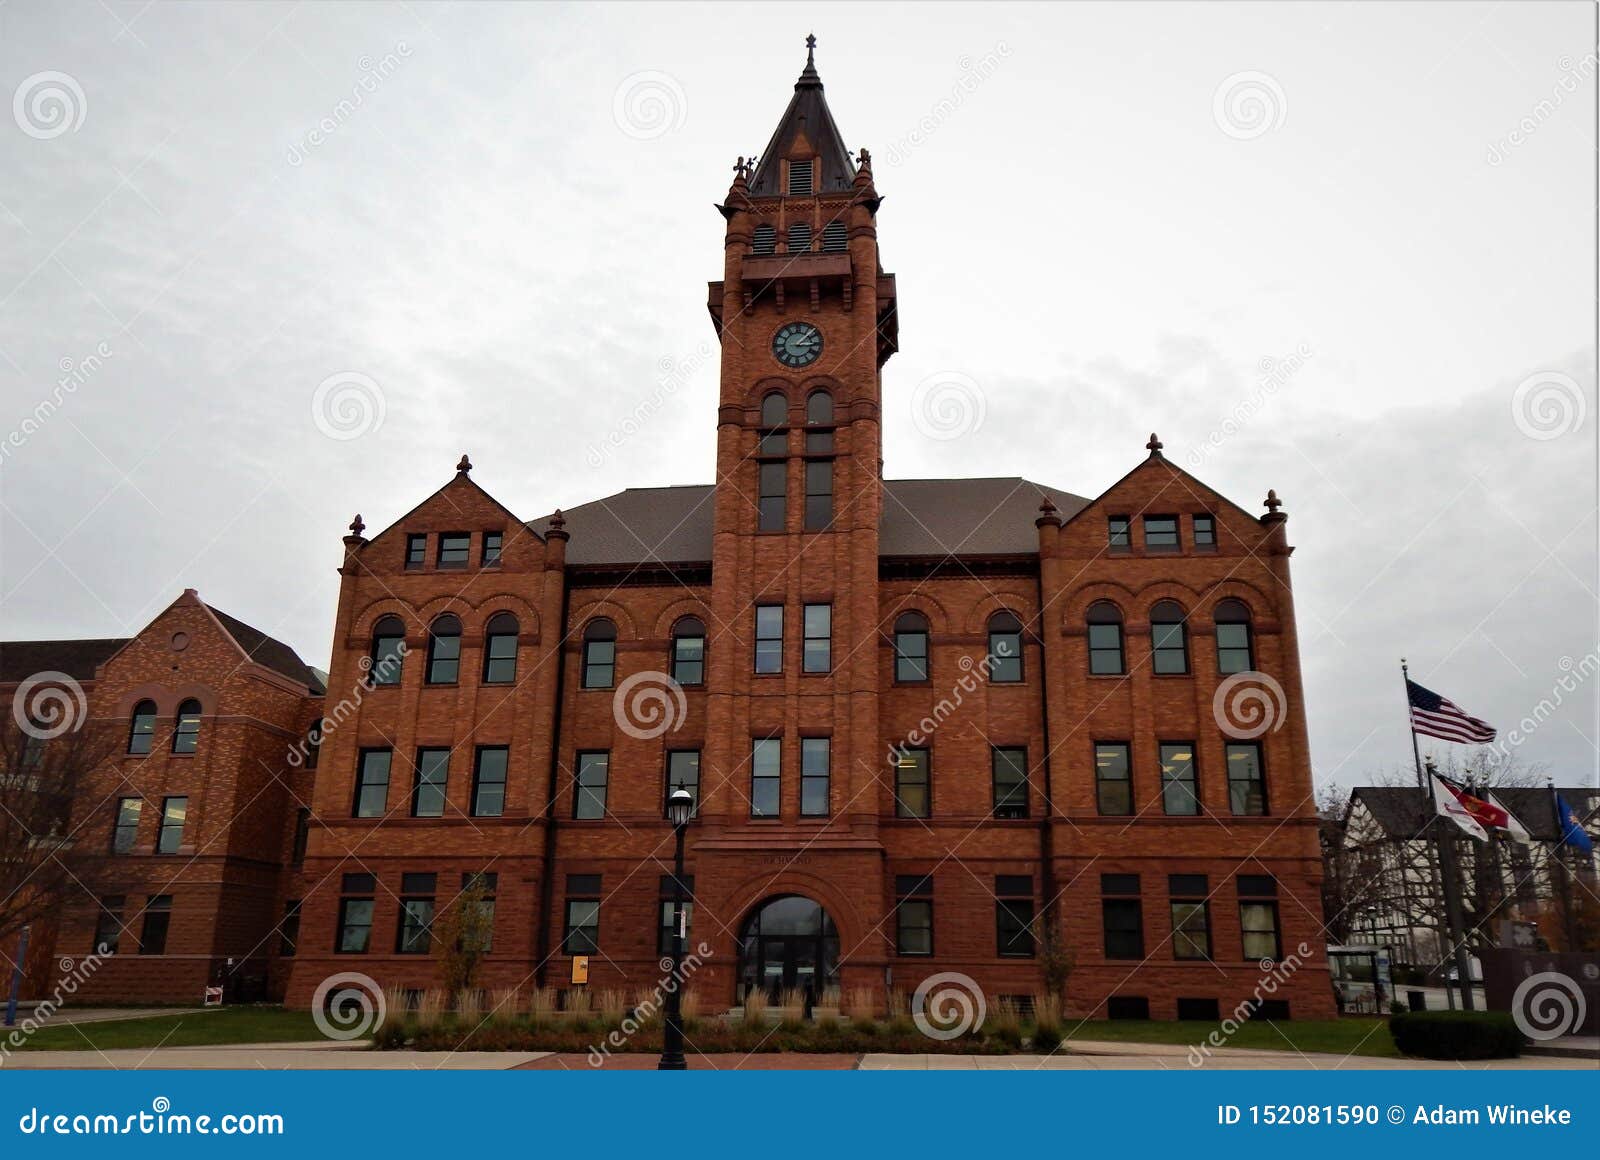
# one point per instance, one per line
(766, 240)
(834, 238)
(800, 183)
(799, 238)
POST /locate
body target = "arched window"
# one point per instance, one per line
(835, 237)
(774, 410)
(186, 734)
(689, 651)
(1105, 639)
(500, 649)
(819, 408)
(1005, 648)
(599, 654)
(444, 650)
(800, 238)
(911, 647)
(142, 727)
(1235, 649)
(765, 241)
(1169, 646)
(388, 651)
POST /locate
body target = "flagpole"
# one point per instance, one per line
(1416, 752)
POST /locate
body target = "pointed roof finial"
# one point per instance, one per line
(1272, 502)
(356, 526)
(465, 465)
(811, 46)
(808, 75)
(1154, 446)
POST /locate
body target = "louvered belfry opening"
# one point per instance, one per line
(766, 240)
(834, 238)
(800, 174)
(799, 238)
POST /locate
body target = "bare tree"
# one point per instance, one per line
(43, 864)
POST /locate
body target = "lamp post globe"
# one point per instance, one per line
(680, 808)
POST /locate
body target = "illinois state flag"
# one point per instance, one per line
(1445, 805)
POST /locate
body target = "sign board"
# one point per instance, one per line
(213, 997)
(580, 969)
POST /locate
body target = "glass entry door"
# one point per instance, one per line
(788, 944)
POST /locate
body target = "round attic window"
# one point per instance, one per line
(180, 641)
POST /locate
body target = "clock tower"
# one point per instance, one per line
(806, 319)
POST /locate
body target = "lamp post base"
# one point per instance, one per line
(672, 1061)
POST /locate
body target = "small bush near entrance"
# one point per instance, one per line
(1457, 1034)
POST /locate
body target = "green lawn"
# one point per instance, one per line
(1332, 1036)
(179, 1029)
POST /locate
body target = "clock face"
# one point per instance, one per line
(797, 344)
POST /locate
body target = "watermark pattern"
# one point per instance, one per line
(948, 1005)
(973, 73)
(648, 704)
(332, 719)
(48, 104)
(74, 374)
(348, 405)
(160, 1120)
(348, 1005)
(76, 972)
(649, 104)
(1248, 105)
(1274, 974)
(1249, 704)
(947, 405)
(648, 1008)
(945, 707)
(1573, 74)
(1575, 673)
(1548, 1005)
(373, 74)
(674, 374)
(48, 705)
(1273, 374)
(1548, 405)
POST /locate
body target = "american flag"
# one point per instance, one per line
(1440, 717)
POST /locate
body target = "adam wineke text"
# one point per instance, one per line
(1491, 1114)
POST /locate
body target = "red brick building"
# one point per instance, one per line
(930, 725)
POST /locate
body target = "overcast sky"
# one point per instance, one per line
(299, 257)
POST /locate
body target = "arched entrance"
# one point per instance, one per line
(788, 942)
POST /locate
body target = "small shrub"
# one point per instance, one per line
(1004, 1023)
(391, 1036)
(1456, 1034)
(755, 1006)
(1046, 1022)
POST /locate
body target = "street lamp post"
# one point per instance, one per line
(680, 806)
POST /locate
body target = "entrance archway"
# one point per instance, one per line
(788, 942)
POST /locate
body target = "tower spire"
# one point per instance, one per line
(806, 131)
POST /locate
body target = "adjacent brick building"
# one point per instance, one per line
(961, 725)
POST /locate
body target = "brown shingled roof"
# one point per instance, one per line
(921, 517)
(20, 659)
(269, 651)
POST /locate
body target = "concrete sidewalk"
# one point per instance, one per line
(320, 1055)
(1088, 1055)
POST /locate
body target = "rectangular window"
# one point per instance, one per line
(1258, 917)
(1247, 787)
(683, 768)
(913, 792)
(589, 785)
(817, 656)
(1009, 770)
(355, 914)
(772, 499)
(1013, 915)
(1233, 648)
(911, 654)
(414, 933)
(174, 812)
(766, 775)
(416, 551)
(491, 548)
(1122, 915)
(126, 831)
(157, 919)
(581, 935)
(455, 549)
(428, 791)
(302, 836)
(372, 784)
(289, 928)
(814, 763)
(1113, 779)
(668, 900)
(1191, 916)
(800, 178)
(1180, 795)
(913, 914)
(1117, 532)
(489, 781)
(819, 494)
(108, 924)
(1161, 532)
(769, 638)
(1205, 532)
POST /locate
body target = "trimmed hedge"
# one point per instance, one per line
(1457, 1034)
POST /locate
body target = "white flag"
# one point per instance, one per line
(1514, 829)
(1446, 806)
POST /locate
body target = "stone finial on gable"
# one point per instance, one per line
(1154, 446)
(465, 465)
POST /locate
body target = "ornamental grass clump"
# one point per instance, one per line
(1047, 1029)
